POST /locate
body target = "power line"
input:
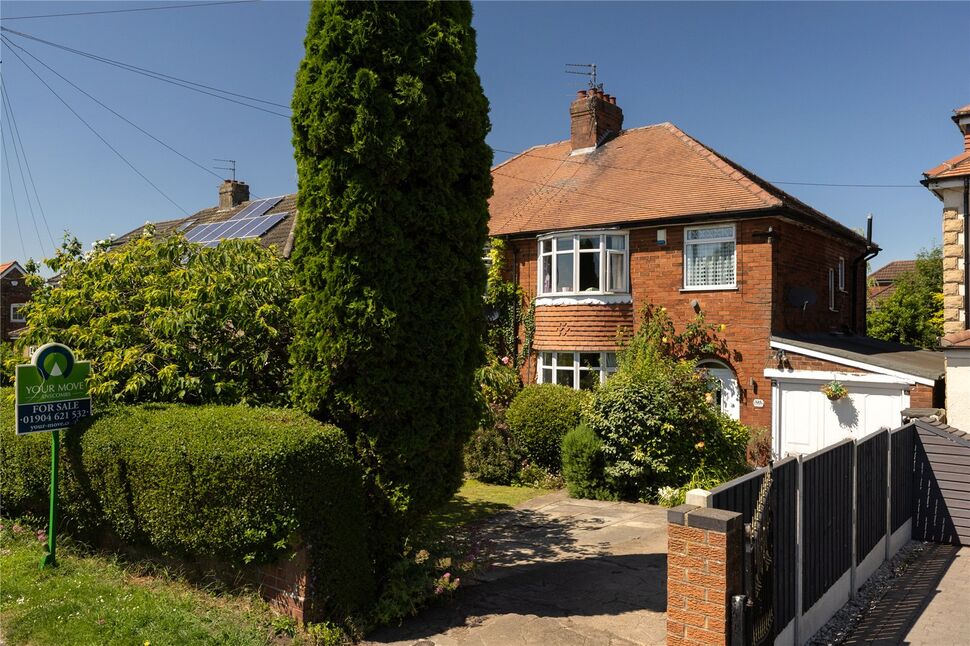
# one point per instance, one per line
(120, 116)
(13, 197)
(712, 177)
(159, 76)
(96, 133)
(23, 177)
(93, 13)
(12, 118)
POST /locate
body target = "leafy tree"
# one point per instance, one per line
(389, 123)
(913, 312)
(167, 320)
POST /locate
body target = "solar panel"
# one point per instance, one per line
(212, 234)
(185, 225)
(257, 208)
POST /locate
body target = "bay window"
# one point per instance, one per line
(709, 257)
(586, 263)
(577, 370)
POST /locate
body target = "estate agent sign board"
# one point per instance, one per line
(52, 393)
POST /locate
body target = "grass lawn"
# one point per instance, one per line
(476, 500)
(92, 600)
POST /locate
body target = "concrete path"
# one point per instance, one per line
(567, 572)
(927, 605)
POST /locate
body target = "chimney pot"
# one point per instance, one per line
(581, 94)
(613, 100)
(232, 194)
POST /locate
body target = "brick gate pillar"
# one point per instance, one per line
(704, 570)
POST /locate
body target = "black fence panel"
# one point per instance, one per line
(941, 512)
(902, 448)
(741, 495)
(826, 520)
(871, 473)
(785, 492)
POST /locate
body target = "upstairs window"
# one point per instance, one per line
(709, 257)
(16, 313)
(575, 263)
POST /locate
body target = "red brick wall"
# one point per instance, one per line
(751, 312)
(581, 327)
(9, 294)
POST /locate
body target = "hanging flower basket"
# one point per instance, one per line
(835, 391)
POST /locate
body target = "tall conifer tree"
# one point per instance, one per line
(389, 123)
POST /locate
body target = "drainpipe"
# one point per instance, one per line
(966, 253)
(871, 252)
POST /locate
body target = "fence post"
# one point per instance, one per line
(799, 545)
(855, 517)
(699, 498)
(889, 496)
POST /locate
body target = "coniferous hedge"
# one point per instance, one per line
(389, 124)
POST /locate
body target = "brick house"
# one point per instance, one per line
(14, 294)
(610, 220)
(950, 182)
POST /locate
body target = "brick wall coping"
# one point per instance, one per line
(717, 520)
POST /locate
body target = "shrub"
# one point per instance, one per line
(539, 417)
(490, 457)
(393, 218)
(758, 450)
(231, 484)
(582, 464)
(165, 320)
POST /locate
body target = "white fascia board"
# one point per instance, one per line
(830, 375)
(579, 299)
(941, 184)
(787, 347)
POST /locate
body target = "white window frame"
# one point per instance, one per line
(733, 239)
(15, 315)
(841, 274)
(606, 257)
(832, 290)
(604, 369)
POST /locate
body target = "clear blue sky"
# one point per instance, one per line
(816, 92)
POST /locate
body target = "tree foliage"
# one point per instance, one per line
(913, 313)
(389, 123)
(167, 320)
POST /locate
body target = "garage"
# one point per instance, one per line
(826, 388)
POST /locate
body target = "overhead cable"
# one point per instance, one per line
(13, 198)
(94, 13)
(159, 76)
(92, 129)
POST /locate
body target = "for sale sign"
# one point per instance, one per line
(52, 390)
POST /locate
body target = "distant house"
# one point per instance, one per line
(611, 219)
(950, 182)
(882, 282)
(14, 294)
(272, 221)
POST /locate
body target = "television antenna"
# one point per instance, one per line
(230, 167)
(585, 69)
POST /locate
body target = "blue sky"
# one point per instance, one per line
(850, 93)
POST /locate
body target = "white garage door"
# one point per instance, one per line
(807, 421)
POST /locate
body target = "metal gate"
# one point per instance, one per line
(757, 621)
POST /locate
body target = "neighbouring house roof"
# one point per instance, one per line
(9, 266)
(642, 175)
(959, 339)
(892, 271)
(280, 235)
(869, 353)
(958, 166)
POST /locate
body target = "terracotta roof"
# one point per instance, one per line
(956, 340)
(644, 174)
(958, 166)
(279, 236)
(879, 293)
(961, 112)
(892, 271)
(7, 265)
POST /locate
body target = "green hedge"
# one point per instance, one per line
(582, 465)
(228, 483)
(540, 416)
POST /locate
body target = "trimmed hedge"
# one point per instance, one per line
(539, 418)
(228, 483)
(582, 465)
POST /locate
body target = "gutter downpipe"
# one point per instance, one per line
(871, 252)
(966, 253)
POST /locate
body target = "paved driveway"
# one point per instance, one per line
(567, 572)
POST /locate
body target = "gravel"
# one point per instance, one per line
(845, 620)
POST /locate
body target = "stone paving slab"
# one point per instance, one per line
(567, 572)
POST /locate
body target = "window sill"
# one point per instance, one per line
(584, 299)
(713, 288)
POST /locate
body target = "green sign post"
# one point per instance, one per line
(52, 393)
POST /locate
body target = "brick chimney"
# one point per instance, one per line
(232, 194)
(961, 117)
(594, 118)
